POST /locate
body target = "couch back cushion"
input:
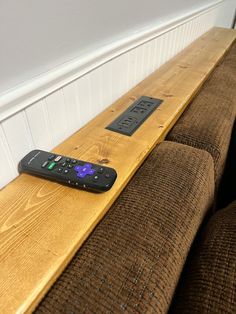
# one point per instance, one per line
(133, 259)
(208, 121)
(208, 281)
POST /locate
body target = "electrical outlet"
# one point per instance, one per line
(127, 121)
(131, 119)
(145, 105)
(138, 110)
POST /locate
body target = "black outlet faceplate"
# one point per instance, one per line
(131, 119)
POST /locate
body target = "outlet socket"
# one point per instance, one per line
(139, 110)
(127, 122)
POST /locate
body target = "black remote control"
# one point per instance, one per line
(69, 171)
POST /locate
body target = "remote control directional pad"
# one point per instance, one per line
(83, 171)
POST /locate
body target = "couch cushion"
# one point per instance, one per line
(207, 122)
(133, 259)
(208, 284)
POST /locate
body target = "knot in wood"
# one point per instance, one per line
(103, 161)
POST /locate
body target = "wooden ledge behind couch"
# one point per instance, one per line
(43, 223)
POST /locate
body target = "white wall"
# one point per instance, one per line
(37, 36)
(227, 17)
(45, 109)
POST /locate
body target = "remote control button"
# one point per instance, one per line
(51, 157)
(96, 178)
(51, 165)
(59, 170)
(71, 182)
(63, 164)
(58, 158)
(84, 170)
(100, 170)
(107, 176)
(73, 161)
(45, 164)
(67, 159)
(77, 183)
(87, 165)
(81, 175)
(69, 166)
(66, 171)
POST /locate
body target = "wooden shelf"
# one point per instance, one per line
(42, 224)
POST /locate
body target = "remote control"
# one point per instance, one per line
(69, 171)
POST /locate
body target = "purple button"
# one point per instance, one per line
(87, 166)
(81, 175)
(84, 170)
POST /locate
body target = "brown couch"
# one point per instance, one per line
(208, 283)
(134, 260)
(207, 123)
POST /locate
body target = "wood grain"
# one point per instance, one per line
(42, 224)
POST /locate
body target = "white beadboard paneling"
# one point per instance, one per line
(96, 87)
(18, 136)
(183, 37)
(168, 43)
(154, 55)
(159, 54)
(178, 40)
(139, 63)
(148, 57)
(132, 60)
(164, 46)
(119, 74)
(183, 42)
(185, 34)
(7, 167)
(70, 94)
(106, 84)
(126, 79)
(39, 125)
(84, 98)
(144, 59)
(57, 117)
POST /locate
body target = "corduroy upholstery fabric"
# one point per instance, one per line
(133, 259)
(207, 122)
(208, 284)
